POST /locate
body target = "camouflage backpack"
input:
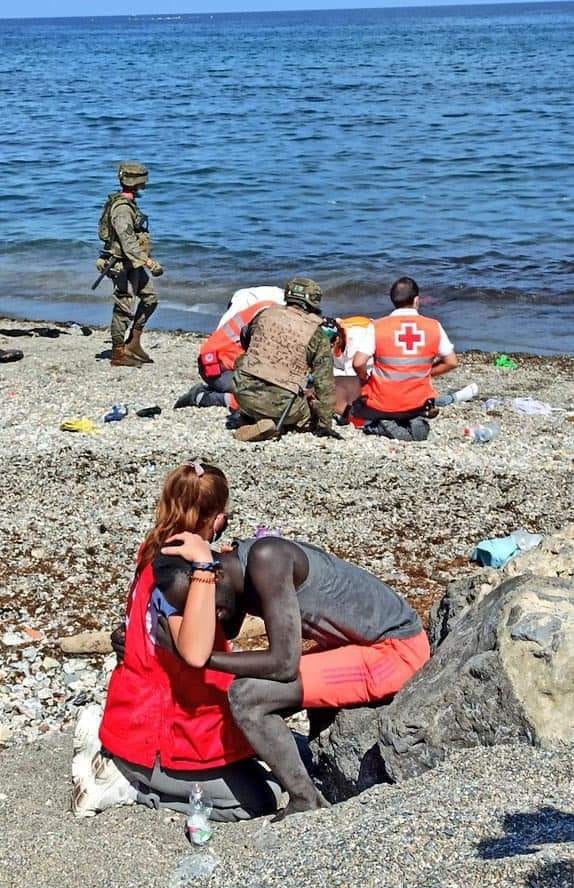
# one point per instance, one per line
(105, 230)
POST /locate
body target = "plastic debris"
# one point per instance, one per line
(482, 434)
(498, 552)
(531, 407)
(505, 362)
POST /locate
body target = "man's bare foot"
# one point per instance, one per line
(296, 806)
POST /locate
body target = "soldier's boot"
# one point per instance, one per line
(121, 359)
(257, 431)
(134, 349)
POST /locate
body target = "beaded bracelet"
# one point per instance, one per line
(204, 565)
(196, 579)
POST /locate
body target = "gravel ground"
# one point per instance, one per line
(494, 818)
(75, 507)
(73, 511)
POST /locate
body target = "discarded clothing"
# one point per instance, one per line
(9, 355)
(83, 425)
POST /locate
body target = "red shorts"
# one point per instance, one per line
(361, 674)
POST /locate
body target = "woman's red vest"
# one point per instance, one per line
(157, 705)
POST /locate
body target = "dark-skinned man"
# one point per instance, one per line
(369, 642)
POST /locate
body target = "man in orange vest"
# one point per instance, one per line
(410, 350)
(216, 360)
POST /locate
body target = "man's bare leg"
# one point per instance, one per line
(257, 705)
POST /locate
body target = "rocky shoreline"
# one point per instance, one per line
(73, 511)
(75, 506)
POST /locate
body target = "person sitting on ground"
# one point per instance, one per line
(349, 337)
(248, 296)
(216, 360)
(284, 344)
(167, 725)
(369, 641)
(397, 395)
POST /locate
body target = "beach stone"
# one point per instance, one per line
(504, 674)
(87, 643)
(459, 595)
(554, 557)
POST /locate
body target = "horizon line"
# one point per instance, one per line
(444, 4)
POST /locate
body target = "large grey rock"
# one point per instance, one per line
(346, 756)
(459, 595)
(504, 674)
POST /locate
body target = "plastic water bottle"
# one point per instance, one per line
(117, 413)
(198, 827)
(526, 540)
(261, 531)
(481, 434)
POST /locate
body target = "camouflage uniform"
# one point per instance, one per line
(274, 369)
(123, 228)
(130, 248)
(259, 399)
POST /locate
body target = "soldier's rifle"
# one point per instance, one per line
(109, 265)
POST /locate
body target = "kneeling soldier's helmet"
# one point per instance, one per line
(305, 293)
(132, 174)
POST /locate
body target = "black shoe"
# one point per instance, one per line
(234, 420)
(190, 398)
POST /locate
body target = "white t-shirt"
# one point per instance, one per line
(359, 339)
(445, 346)
(250, 296)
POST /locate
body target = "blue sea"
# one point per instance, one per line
(351, 146)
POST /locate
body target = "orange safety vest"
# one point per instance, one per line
(405, 348)
(224, 345)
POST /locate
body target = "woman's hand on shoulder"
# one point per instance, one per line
(190, 546)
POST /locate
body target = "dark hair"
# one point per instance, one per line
(404, 292)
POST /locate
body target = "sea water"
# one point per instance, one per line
(351, 146)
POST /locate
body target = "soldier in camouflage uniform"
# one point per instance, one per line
(284, 345)
(124, 230)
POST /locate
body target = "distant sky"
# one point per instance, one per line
(43, 8)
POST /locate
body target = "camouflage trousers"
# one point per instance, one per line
(131, 284)
(262, 400)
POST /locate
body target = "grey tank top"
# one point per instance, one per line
(341, 603)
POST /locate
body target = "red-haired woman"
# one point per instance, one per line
(167, 724)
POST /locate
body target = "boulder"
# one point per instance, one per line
(504, 674)
(459, 595)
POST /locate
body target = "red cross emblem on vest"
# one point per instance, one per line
(409, 338)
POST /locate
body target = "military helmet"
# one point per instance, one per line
(305, 293)
(130, 173)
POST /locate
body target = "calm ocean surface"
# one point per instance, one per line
(352, 146)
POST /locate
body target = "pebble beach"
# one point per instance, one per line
(75, 507)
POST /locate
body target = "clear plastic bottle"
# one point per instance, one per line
(198, 826)
(526, 540)
(481, 434)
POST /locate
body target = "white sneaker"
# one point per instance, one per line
(466, 394)
(105, 787)
(86, 741)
